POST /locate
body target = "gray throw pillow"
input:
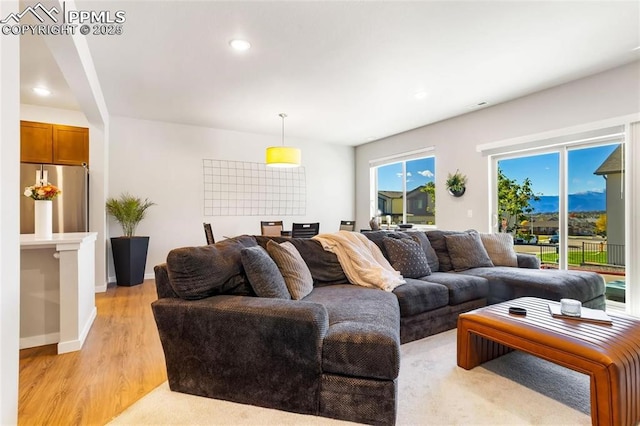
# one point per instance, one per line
(499, 247)
(436, 238)
(407, 257)
(263, 273)
(292, 267)
(432, 257)
(466, 251)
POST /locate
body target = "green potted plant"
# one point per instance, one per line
(456, 184)
(129, 251)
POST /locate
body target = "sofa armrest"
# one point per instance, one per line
(259, 351)
(529, 261)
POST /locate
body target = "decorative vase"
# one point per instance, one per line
(44, 219)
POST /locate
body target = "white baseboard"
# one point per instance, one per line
(41, 340)
(150, 276)
(76, 345)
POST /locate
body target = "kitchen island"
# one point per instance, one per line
(57, 290)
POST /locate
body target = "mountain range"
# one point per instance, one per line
(581, 202)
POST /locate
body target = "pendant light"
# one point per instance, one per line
(283, 156)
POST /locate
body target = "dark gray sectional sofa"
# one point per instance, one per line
(336, 352)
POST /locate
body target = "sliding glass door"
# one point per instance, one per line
(566, 205)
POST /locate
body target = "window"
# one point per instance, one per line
(405, 192)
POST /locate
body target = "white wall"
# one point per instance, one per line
(53, 115)
(163, 162)
(9, 220)
(606, 95)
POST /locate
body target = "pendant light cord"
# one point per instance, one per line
(283, 115)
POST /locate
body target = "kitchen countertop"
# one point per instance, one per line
(30, 240)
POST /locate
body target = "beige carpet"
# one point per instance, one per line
(516, 389)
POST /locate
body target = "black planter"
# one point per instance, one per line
(129, 259)
(458, 193)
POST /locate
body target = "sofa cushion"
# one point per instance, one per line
(263, 273)
(509, 283)
(292, 267)
(462, 288)
(432, 257)
(407, 257)
(499, 247)
(377, 237)
(323, 265)
(199, 272)
(466, 251)
(363, 339)
(417, 296)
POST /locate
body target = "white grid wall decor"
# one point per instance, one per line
(239, 188)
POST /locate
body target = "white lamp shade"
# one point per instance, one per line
(283, 156)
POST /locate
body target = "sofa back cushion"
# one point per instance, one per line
(376, 237)
(199, 272)
(263, 273)
(466, 251)
(499, 247)
(407, 257)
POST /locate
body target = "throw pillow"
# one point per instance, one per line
(499, 247)
(436, 238)
(432, 257)
(263, 274)
(466, 251)
(407, 257)
(292, 267)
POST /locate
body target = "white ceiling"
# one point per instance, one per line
(344, 72)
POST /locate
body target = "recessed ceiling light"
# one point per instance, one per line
(240, 45)
(420, 95)
(42, 91)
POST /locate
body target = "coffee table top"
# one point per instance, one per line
(572, 335)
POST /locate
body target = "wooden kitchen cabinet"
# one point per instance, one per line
(53, 143)
(70, 145)
(36, 142)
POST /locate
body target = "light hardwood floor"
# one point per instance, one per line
(120, 362)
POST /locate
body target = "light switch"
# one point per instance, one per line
(469, 213)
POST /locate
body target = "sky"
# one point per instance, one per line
(419, 172)
(543, 171)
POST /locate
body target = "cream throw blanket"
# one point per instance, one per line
(362, 261)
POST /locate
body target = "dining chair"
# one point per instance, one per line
(208, 233)
(305, 230)
(347, 225)
(271, 228)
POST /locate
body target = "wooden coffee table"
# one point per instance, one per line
(609, 354)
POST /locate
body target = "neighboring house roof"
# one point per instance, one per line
(613, 163)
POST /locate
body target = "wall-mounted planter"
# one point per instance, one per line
(456, 184)
(458, 193)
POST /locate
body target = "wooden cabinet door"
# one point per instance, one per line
(70, 145)
(36, 142)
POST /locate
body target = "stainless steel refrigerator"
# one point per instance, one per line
(70, 208)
